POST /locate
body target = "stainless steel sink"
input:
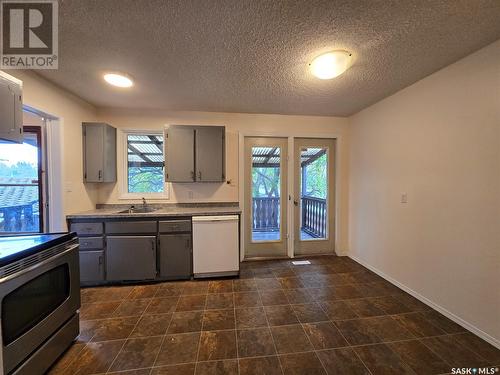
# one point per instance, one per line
(138, 210)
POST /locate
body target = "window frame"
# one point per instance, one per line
(124, 193)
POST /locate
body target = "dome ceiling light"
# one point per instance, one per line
(331, 64)
(118, 80)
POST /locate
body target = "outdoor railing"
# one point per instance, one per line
(22, 218)
(314, 219)
(266, 214)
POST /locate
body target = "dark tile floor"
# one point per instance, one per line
(331, 317)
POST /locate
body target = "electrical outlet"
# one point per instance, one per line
(404, 198)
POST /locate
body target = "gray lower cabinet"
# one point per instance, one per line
(91, 266)
(130, 258)
(175, 256)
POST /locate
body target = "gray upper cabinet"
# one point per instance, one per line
(99, 152)
(11, 108)
(195, 153)
(179, 154)
(209, 151)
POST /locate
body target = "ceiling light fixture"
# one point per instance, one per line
(331, 64)
(118, 80)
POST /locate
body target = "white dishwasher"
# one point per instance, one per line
(216, 245)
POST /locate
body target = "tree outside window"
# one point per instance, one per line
(145, 163)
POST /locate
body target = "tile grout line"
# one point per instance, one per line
(309, 339)
(236, 333)
(166, 331)
(345, 339)
(201, 333)
(271, 333)
(135, 326)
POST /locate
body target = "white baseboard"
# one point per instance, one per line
(470, 327)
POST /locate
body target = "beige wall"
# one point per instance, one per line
(439, 141)
(71, 111)
(235, 123)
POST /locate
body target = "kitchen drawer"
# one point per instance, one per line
(85, 229)
(130, 227)
(175, 226)
(91, 243)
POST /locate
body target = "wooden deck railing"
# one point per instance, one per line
(314, 219)
(266, 215)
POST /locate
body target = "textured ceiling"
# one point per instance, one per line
(252, 56)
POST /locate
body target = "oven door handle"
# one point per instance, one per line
(38, 265)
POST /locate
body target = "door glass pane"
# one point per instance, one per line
(314, 192)
(46, 292)
(266, 190)
(19, 186)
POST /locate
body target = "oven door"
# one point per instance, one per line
(36, 301)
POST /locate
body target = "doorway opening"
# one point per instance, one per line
(314, 197)
(23, 193)
(279, 223)
(266, 232)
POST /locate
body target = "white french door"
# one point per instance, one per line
(272, 213)
(314, 196)
(266, 178)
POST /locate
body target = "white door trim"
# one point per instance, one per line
(339, 225)
(54, 175)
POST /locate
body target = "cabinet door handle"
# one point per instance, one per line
(152, 245)
(100, 174)
(199, 175)
(100, 260)
(192, 175)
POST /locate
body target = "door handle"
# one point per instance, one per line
(100, 260)
(199, 175)
(192, 175)
(100, 174)
(295, 203)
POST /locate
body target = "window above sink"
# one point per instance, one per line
(142, 173)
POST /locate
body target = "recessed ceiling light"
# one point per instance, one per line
(331, 64)
(118, 80)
